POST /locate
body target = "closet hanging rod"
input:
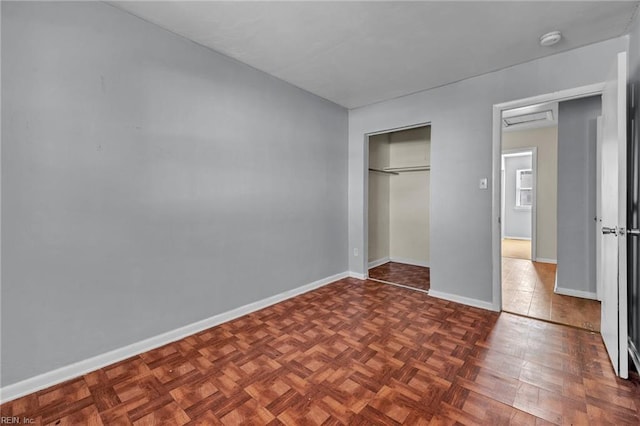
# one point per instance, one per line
(407, 169)
(383, 171)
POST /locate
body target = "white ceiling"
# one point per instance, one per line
(358, 53)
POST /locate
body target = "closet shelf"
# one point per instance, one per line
(383, 171)
(407, 169)
(398, 170)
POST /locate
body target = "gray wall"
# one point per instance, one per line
(461, 153)
(577, 193)
(148, 182)
(517, 221)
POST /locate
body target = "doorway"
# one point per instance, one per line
(398, 207)
(518, 202)
(612, 269)
(548, 204)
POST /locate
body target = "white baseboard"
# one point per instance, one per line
(378, 262)
(544, 260)
(357, 275)
(508, 237)
(410, 261)
(464, 300)
(575, 293)
(79, 368)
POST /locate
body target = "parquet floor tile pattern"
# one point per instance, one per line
(528, 289)
(354, 353)
(401, 273)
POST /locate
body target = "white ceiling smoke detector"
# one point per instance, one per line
(549, 39)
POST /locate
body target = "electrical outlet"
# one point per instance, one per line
(355, 252)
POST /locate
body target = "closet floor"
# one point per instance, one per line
(527, 289)
(403, 274)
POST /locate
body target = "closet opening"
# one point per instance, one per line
(398, 207)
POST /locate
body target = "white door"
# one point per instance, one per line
(613, 187)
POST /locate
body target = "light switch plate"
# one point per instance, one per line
(484, 183)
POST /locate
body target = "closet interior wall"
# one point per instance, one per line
(399, 203)
(379, 193)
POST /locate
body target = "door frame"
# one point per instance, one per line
(365, 233)
(598, 217)
(496, 239)
(533, 151)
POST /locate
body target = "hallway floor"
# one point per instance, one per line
(527, 289)
(518, 249)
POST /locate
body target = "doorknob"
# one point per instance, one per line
(631, 232)
(606, 230)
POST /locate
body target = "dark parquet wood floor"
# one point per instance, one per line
(354, 352)
(401, 273)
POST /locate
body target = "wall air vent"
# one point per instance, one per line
(528, 118)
